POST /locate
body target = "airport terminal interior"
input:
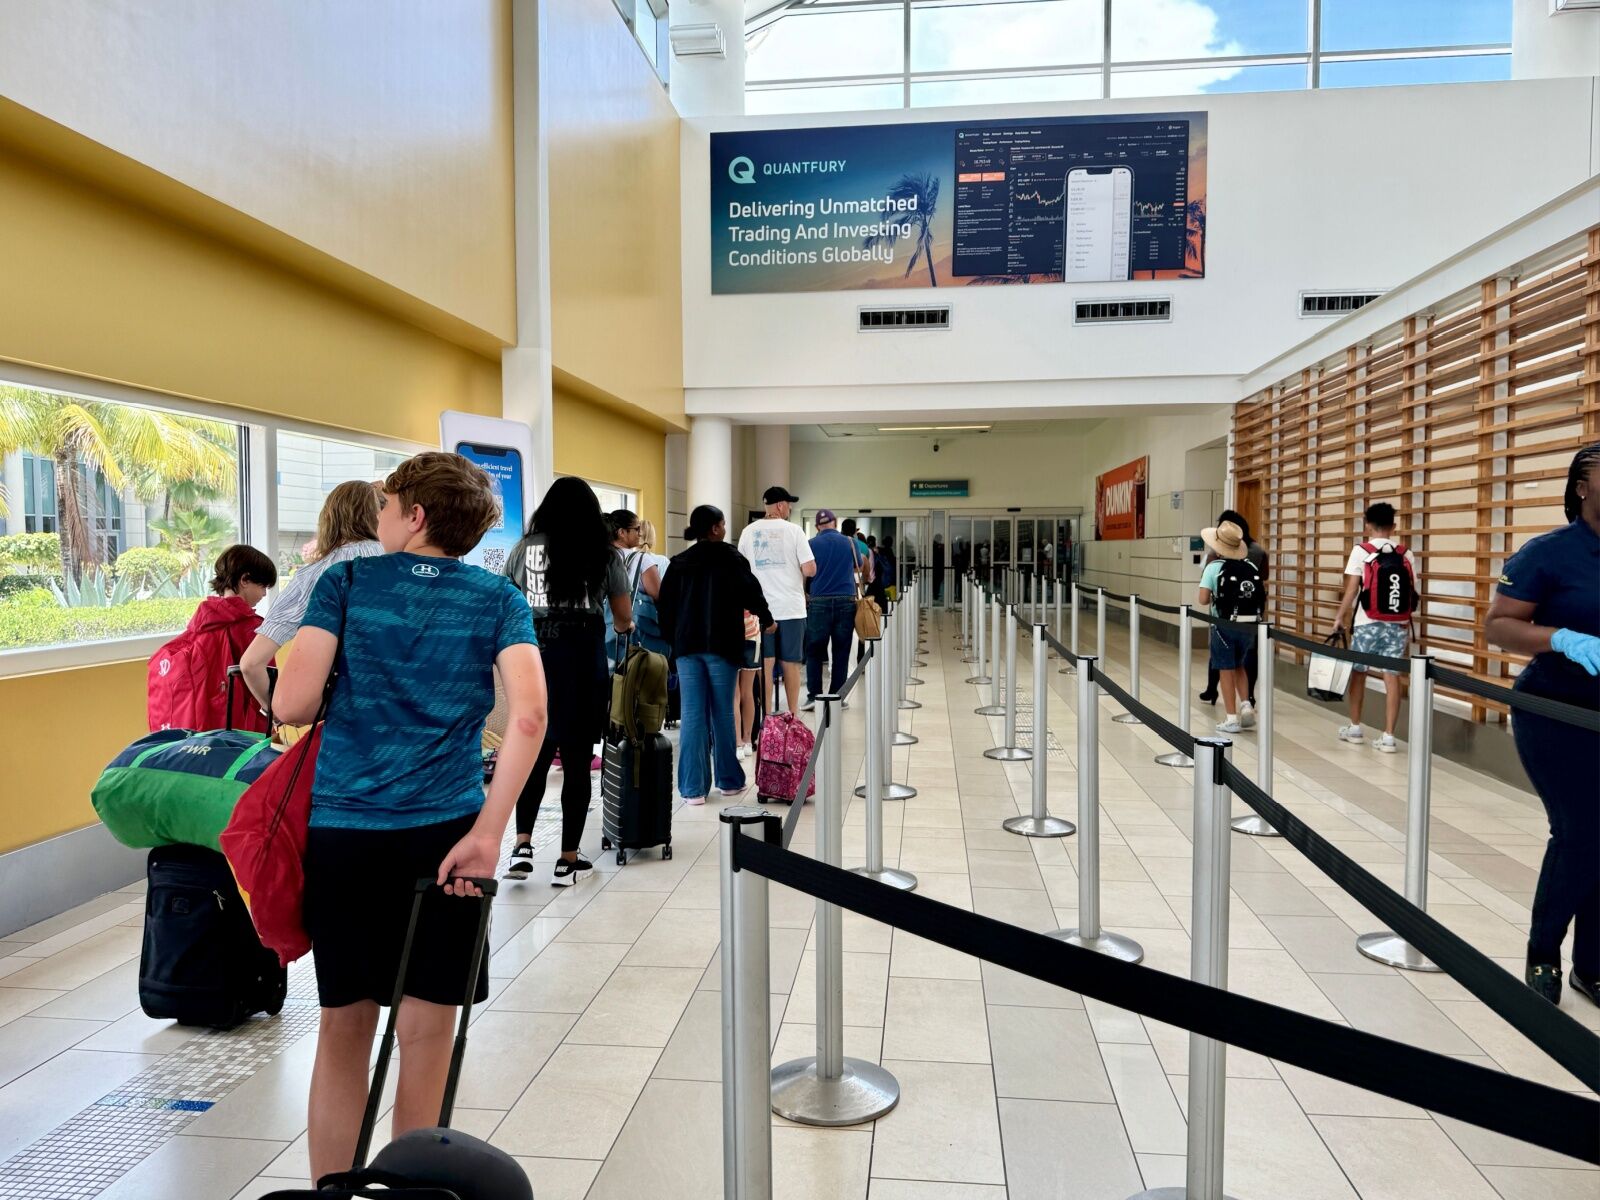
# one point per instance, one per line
(1182, 782)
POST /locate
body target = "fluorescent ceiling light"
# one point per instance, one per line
(931, 428)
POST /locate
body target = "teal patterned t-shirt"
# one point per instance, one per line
(415, 682)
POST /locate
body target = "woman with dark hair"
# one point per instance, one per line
(568, 570)
(702, 603)
(1548, 605)
(1257, 554)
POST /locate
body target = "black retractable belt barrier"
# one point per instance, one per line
(1378, 662)
(1546, 1026)
(1543, 706)
(1119, 599)
(1059, 648)
(1177, 738)
(1166, 608)
(1531, 1112)
(799, 802)
(855, 676)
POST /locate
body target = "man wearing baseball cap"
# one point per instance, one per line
(781, 558)
(831, 614)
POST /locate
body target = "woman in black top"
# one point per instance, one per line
(1257, 554)
(703, 599)
(566, 567)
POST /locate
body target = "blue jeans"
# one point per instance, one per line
(706, 684)
(830, 622)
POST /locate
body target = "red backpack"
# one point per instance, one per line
(1388, 588)
(187, 682)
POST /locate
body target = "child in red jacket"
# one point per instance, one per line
(188, 677)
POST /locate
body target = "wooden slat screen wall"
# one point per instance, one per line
(1464, 418)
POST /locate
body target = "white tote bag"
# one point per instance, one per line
(1327, 678)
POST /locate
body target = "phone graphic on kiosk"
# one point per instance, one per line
(503, 465)
(1099, 217)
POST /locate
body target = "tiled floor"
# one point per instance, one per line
(597, 1059)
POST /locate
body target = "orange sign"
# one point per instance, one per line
(1119, 501)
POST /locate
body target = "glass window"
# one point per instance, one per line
(612, 498)
(1383, 24)
(1005, 89)
(1188, 81)
(1150, 30)
(846, 98)
(310, 467)
(151, 497)
(839, 42)
(1031, 33)
(1378, 72)
(644, 27)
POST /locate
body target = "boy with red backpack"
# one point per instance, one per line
(1381, 589)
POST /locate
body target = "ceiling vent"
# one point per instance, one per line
(1121, 312)
(930, 317)
(1334, 304)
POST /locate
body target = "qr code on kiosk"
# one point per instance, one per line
(494, 559)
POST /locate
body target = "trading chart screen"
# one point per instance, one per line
(1083, 202)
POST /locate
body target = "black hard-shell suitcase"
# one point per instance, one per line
(202, 963)
(426, 1164)
(636, 794)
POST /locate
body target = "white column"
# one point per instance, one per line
(1547, 45)
(772, 457)
(677, 494)
(710, 86)
(526, 368)
(11, 475)
(711, 464)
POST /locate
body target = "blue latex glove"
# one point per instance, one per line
(1581, 648)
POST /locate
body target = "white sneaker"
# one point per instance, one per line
(1247, 715)
(743, 751)
(694, 801)
(1231, 725)
(1351, 734)
(729, 794)
(1387, 744)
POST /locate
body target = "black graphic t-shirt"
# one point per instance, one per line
(528, 569)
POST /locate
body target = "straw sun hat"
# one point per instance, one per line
(1226, 540)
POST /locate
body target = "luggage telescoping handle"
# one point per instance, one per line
(236, 672)
(380, 1071)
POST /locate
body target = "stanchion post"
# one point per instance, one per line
(1255, 824)
(1089, 933)
(1129, 718)
(894, 643)
(1072, 667)
(828, 1088)
(908, 646)
(996, 706)
(1177, 758)
(1387, 947)
(1008, 750)
(746, 1015)
(872, 790)
(1039, 822)
(1055, 597)
(980, 610)
(913, 633)
(1100, 625)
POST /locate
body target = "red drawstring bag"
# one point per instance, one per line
(265, 844)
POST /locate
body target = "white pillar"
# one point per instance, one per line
(1551, 45)
(711, 464)
(772, 457)
(709, 86)
(526, 369)
(11, 476)
(677, 494)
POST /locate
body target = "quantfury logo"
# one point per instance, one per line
(425, 570)
(742, 170)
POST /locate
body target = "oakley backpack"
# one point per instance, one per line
(1388, 588)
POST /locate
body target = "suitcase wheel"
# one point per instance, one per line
(622, 857)
(605, 843)
(666, 852)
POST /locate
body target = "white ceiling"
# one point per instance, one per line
(1049, 427)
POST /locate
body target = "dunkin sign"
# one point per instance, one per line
(1119, 501)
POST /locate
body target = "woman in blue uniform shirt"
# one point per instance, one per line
(1548, 605)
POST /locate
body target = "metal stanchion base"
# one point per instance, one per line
(980, 680)
(991, 710)
(864, 1091)
(1127, 719)
(1394, 950)
(904, 880)
(1069, 669)
(908, 704)
(1255, 826)
(1112, 945)
(891, 791)
(1045, 826)
(969, 658)
(1175, 758)
(902, 738)
(1169, 1193)
(1008, 753)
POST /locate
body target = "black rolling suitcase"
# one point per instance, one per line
(202, 963)
(426, 1164)
(636, 794)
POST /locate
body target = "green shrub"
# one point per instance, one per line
(147, 567)
(22, 585)
(30, 552)
(24, 621)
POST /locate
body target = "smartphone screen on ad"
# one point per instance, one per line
(1098, 218)
(503, 465)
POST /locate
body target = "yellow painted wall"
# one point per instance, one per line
(376, 132)
(604, 445)
(615, 283)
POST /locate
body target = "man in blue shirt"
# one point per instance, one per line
(831, 612)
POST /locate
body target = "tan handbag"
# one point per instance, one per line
(869, 618)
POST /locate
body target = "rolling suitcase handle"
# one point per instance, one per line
(235, 672)
(386, 1049)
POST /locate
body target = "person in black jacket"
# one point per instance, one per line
(703, 599)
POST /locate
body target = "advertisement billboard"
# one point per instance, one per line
(1119, 497)
(959, 203)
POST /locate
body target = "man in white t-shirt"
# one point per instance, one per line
(780, 555)
(1393, 596)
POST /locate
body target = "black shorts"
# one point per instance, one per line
(359, 888)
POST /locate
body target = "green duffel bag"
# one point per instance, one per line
(174, 786)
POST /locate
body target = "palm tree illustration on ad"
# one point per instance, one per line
(1194, 238)
(924, 190)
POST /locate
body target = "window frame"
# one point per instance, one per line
(258, 504)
